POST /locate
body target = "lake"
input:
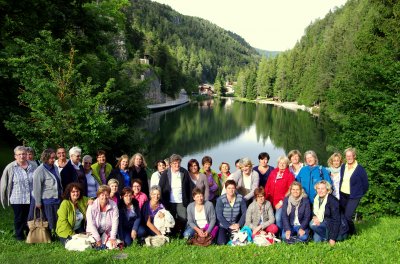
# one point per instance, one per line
(228, 130)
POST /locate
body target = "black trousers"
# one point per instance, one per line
(21, 212)
(348, 206)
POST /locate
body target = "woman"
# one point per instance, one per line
(326, 221)
(101, 169)
(129, 228)
(16, 185)
(198, 179)
(47, 188)
(212, 177)
(247, 180)
(353, 186)
(121, 173)
(92, 184)
(62, 160)
(260, 214)
(102, 218)
(224, 169)
(296, 214)
(295, 162)
(278, 186)
(30, 155)
(201, 217)
(263, 169)
(334, 163)
(150, 209)
(73, 171)
(160, 168)
(138, 195)
(72, 213)
(310, 174)
(114, 194)
(137, 166)
(231, 212)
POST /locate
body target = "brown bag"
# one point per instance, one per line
(201, 241)
(38, 230)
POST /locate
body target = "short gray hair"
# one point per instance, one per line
(155, 188)
(19, 148)
(87, 157)
(245, 162)
(284, 159)
(312, 153)
(74, 151)
(175, 157)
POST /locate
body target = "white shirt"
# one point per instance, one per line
(200, 217)
(176, 187)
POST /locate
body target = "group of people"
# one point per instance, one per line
(291, 201)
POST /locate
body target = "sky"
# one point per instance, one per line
(274, 25)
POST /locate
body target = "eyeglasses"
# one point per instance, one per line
(136, 186)
(87, 162)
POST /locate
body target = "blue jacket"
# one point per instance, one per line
(304, 215)
(309, 176)
(358, 182)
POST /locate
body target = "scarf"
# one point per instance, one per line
(319, 208)
(295, 203)
(334, 170)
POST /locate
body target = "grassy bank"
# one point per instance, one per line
(378, 242)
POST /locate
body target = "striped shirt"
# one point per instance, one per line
(22, 185)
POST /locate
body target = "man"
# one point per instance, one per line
(15, 189)
(175, 191)
(101, 169)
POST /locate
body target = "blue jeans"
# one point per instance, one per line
(320, 232)
(278, 218)
(125, 235)
(189, 232)
(295, 231)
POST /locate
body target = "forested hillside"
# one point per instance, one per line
(70, 71)
(349, 63)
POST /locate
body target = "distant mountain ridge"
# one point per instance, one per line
(268, 53)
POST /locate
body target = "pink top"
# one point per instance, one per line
(93, 219)
(141, 198)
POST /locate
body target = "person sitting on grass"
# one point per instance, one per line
(102, 218)
(296, 214)
(231, 212)
(326, 222)
(72, 212)
(201, 217)
(129, 228)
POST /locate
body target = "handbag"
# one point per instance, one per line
(38, 230)
(80, 242)
(197, 240)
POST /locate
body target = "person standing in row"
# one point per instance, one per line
(73, 171)
(312, 173)
(47, 188)
(263, 168)
(246, 179)
(137, 170)
(16, 185)
(353, 186)
(121, 173)
(175, 191)
(92, 184)
(278, 186)
(212, 178)
(61, 159)
(101, 169)
(295, 162)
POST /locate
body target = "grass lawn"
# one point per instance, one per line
(378, 241)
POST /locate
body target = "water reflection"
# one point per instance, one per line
(227, 130)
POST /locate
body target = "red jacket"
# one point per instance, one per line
(276, 188)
